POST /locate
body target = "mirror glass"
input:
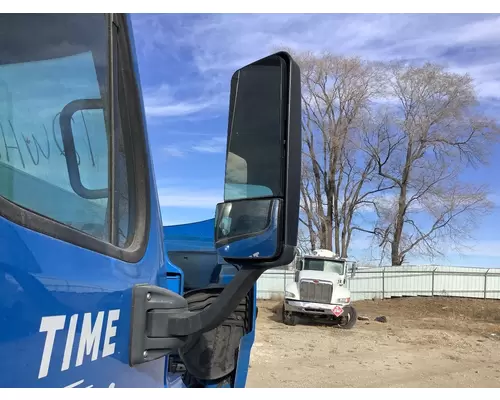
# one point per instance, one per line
(247, 228)
(256, 131)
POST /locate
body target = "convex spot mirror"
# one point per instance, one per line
(258, 219)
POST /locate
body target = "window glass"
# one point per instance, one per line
(41, 73)
(335, 267)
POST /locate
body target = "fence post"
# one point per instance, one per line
(284, 281)
(383, 284)
(486, 281)
(433, 273)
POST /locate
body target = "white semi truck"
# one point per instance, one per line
(319, 290)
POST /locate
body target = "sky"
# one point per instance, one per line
(186, 62)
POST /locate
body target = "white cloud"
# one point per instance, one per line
(482, 248)
(164, 101)
(214, 145)
(178, 109)
(180, 197)
(174, 151)
(222, 43)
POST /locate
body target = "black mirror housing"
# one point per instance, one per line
(257, 223)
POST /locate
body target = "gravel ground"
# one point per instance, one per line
(426, 342)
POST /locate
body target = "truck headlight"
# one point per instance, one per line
(289, 294)
(344, 300)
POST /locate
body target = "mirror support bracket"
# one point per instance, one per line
(161, 322)
(149, 302)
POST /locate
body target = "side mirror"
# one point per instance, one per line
(297, 273)
(256, 226)
(258, 221)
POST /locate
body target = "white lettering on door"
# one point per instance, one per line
(50, 325)
(90, 337)
(68, 350)
(88, 344)
(109, 348)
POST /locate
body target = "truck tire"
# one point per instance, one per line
(212, 356)
(350, 321)
(288, 318)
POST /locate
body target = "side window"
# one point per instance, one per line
(65, 58)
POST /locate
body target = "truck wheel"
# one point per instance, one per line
(288, 318)
(349, 320)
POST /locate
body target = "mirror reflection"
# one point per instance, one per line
(255, 145)
(247, 228)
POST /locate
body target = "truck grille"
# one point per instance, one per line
(317, 291)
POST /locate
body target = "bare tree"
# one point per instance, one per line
(337, 93)
(430, 130)
(393, 139)
(303, 242)
(310, 218)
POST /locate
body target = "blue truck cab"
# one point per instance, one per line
(94, 290)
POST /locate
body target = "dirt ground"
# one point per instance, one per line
(426, 342)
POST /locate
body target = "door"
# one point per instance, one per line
(79, 223)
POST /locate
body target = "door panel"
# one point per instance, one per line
(44, 283)
(68, 260)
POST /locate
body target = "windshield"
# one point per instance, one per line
(315, 264)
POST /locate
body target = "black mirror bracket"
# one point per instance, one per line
(146, 342)
(161, 323)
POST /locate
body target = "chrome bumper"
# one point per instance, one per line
(305, 307)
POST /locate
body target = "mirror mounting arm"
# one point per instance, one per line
(190, 323)
(162, 323)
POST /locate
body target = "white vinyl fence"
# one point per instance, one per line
(386, 282)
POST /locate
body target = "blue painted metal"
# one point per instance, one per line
(198, 236)
(171, 277)
(194, 238)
